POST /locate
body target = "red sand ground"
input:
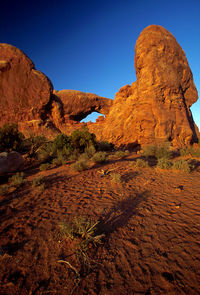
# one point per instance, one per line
(151, 222)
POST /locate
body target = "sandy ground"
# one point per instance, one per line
(151, 223)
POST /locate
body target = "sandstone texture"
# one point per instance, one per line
(24, 91)
(10, 162)
(77, 105)
(156, 107)
(27, 98)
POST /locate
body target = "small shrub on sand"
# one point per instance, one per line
(164, 163)
(85, 234)
(80, 165)
(121, 154)
(74, 155)
(38, 180)
(39, 183)
(82, 228)
(46, 153)
(158, 151)
(90, 151)
(4, 189)
(17, 179)
(10, 138)
(61, 158)
(190, 151)
(45, 166)
(116, 177)
(182, 165)
(139, 163)
(82, 139)
(100, 157)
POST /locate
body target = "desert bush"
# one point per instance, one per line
(17, 179)
(100, 157)
(116, 177)
(46, 153)
(4, 189)
(82, 139)
(80, 165)
(194, 152)
(10, 138)
(90, 151)
(139, 163)
(157, 151)
(33, 143)
(62, 141)
(82, 228)
(182, 165)
(121, 154)
(74, 155)
(45, 166)
(86, 234)
(38, 181)
(164, 163)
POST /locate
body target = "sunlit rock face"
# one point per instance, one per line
(24, 91)
(156, 107)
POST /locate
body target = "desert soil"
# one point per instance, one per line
(151, 223)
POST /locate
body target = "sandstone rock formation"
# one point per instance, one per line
(156, 107)
(26, 97)
(24, 91)
(77, 105)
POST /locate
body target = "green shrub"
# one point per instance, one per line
(17, 179)
(82, 228)
(33, 143)
(182, 165)
(45, 166)
(139, 163)
(194, 152)
(82, 139)
(62, 141)
(116, 177)
(86, 234)
(121, 154)
(157, 151)
(46, 152)
(74, 155)
(4, 189)
(38, 181)
(90, 151)
(100, 157)
(80, 165)
(164, 163)
(10, 138)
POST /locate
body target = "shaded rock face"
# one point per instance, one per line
(24, 91)
(10, 162)
(156, 107)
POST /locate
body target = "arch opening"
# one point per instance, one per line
(92, 117)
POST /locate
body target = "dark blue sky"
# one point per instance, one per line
(89, 45)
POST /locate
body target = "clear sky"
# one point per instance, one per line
(88, 45)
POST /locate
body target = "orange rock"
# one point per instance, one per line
(77, 105)
(156, 107)
(24, 91)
